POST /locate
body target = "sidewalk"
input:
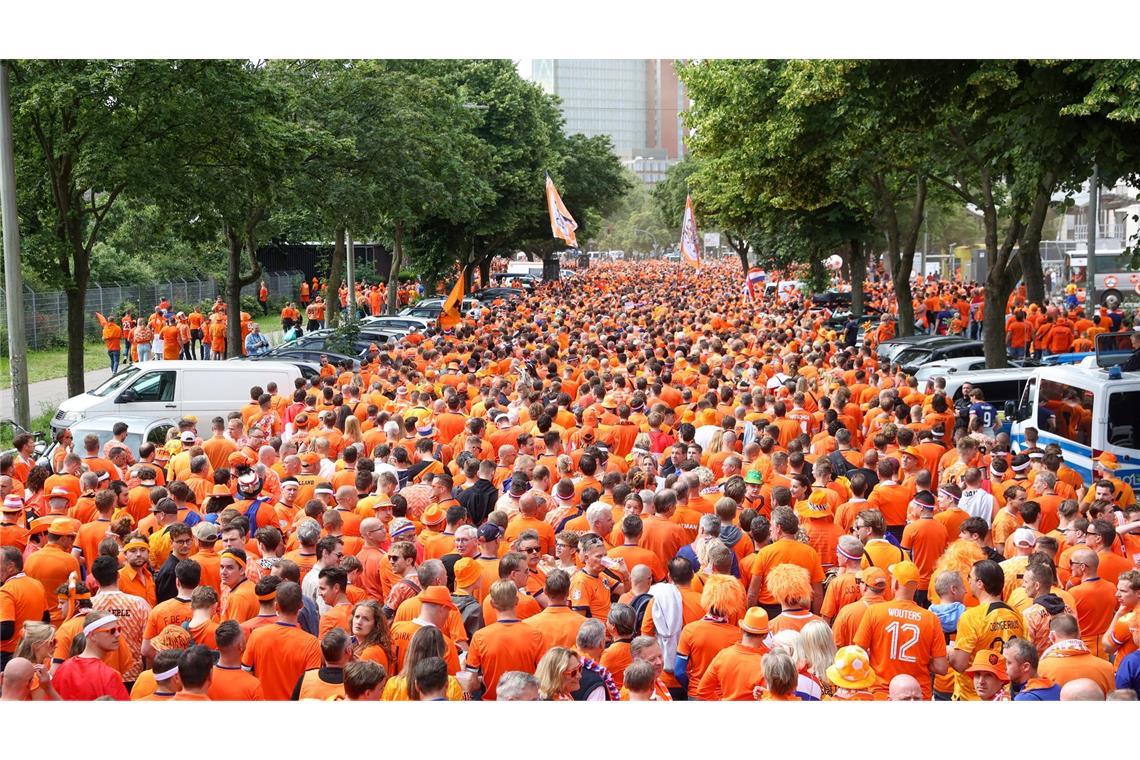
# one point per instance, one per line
(52, 392)
(49, 392)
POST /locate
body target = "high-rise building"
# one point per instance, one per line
(637, 102)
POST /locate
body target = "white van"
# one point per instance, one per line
(158, 389)
(1093, 411)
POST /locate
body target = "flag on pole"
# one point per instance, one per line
(562, 225)
(453, 306)
(690, 240)
(753, 283)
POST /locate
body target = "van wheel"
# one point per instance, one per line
(1111, 298)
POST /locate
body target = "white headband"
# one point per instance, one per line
(100, 623)
(166, 674)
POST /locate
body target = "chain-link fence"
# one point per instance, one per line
(45, 312)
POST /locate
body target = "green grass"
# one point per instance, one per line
(40, 423)
(47, 364)
(50, 363)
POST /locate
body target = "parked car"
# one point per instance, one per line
(139, 429)
(431, 308)
(486, 295)
(159, 389)
(407, 325)
(964, 364)
(915, 356)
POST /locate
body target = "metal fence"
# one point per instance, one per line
(45, 311)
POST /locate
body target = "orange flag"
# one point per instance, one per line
(562, 225)
(450, 315)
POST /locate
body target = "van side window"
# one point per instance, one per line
(1073, 409)
(156, 386)
(1123, 417)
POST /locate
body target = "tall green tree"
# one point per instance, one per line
(87, 133)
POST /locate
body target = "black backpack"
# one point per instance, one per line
(640, 604)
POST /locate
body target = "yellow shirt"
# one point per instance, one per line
(985, 626)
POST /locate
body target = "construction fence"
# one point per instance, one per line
(45, 311)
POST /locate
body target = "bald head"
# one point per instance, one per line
(1088, 558)
(904, 688)
(528, 504)
(346, 496)
(17, 678)
(367, 526)
(1082, 690)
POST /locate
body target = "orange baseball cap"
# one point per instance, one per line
(873, 576)
(905, 572)
(437, 595)
(911, 451)
(238, 459)
(310, 457)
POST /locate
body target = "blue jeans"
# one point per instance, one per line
(1017, 353)
(144, 351)
(114, 361)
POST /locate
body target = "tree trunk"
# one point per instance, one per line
(857, 264)
(233, 292)
(394, 272)
(740, 245)
(76, 318)
(485, 269)
(1029, 251)
(336, 274)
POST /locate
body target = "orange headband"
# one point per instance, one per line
(136, 543)
(233, 556)
(267, 596)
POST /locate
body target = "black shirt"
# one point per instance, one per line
(479, 500)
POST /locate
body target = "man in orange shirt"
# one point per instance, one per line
(557, 622)
(925, 539)
(1018, 333)
(724, 598)
(734, 673)
(112, 339)
(1094, 597)
(1068, 658)
(901, 637)
(171, 340)
(22, 598)
(230, 681)
(54, 563)
(280, 653)
(505, 645)
(784, 549)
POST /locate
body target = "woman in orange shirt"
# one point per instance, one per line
(171, 341)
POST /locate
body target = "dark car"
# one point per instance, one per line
(486, 295)
(914, 356)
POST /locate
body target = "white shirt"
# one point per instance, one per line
(977, 503)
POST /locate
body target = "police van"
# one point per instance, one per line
(998, 386)
(1086, 409)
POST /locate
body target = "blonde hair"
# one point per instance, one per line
(551, 670)
(352, 429)
(818, 647)
(790, 641)
(35, 633)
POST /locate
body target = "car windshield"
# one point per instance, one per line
(115, 382)
(911, 356)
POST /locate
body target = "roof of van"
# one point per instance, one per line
(1086, 377)
(214, 365)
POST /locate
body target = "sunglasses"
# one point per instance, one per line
(394, 558)
(573, 672)
(109, 629)
(534, 550)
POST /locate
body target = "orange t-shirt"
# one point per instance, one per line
(234, 685)
(557, 625)
(700, 641)
(51, 566)
(171, 345)
(785, 551)
(21, 599)
(732, 674)
(279, 654)
(502, 647)
(901, 637)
